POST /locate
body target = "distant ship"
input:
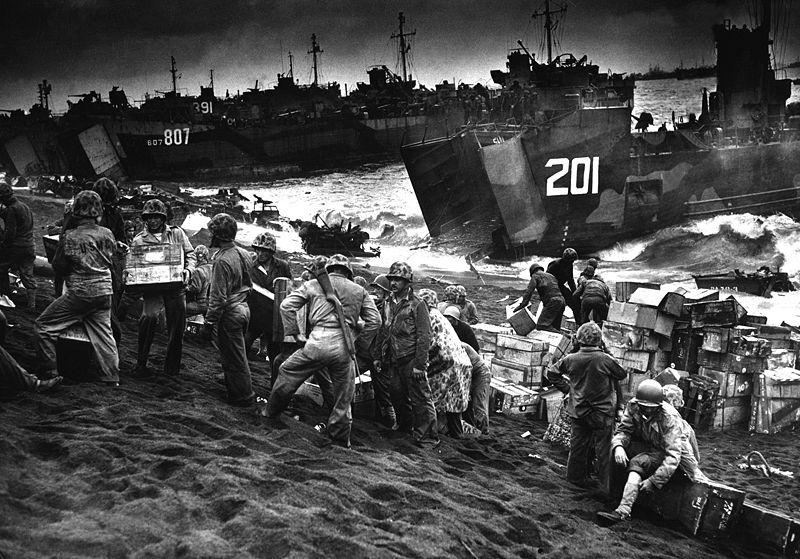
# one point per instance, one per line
(566, 171)
(258, 132)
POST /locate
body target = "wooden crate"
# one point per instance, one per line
(779, 358)
(524, 375)
(731, 385)
(727, 312)
(154, 266)
(641, 316)
(487, 335)
(630, 337)
(717, 338)
(699, 400)
(509, 398)
(624, 289)
(668, 302)
(697, 296)
(750, 346)
(776, 401)
(685, 347)
(709, 509)
(771, 531)
(50, 243)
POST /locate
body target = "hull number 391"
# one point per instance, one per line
(583, 176)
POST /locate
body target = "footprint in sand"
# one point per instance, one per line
(385, 493)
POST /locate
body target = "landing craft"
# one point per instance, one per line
(555, 163)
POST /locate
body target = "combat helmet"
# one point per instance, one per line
(451, 293)
(106, 189)
(340, 262)
(264, 241)
(570, 254)
(223, 227)
(317, 265)
(461, 291)
(201, 252)
(87, 204)
(154, 207)
(649, 394)
(383, 282)
(589, 334)
(400, 270)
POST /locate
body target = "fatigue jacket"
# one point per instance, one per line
(593, 289)
(230, 280)
(469, 312)
(546, 286)
(588, 376)
(667, 432)
(171, 235)
(408, 329)
(562, 270)
(84, 257)
(18, 238)
(356, 302)
(200, 283)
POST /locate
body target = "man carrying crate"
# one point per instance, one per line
(172, 295)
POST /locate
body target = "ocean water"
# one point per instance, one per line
(380, 199)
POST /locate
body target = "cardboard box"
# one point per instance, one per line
(668, 302)
(154, 266)
(641, 316)
(509, 398)
(771, 531)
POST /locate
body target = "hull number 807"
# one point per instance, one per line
(583, 176)
(172, 137)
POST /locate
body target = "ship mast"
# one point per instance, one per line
(174, 73)
(44, 95)
(548, 26)
(291, 67)
(314, 50)
(403, 47)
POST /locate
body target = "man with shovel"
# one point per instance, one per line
(335, 304)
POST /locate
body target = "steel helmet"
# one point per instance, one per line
(649, 393)
(400, 270)
(264, 241)
(535, 267)
(589, 334)
(452, 310)
(383, 282)
(429, 297)
(87, 204)
(340, 262)
(154, 207)
(106, 189)
(451, 293)
(592, 262)
(317, 264)
(361, 281)
(461, 291)
(201, 252)
(570, 254)
(223, 227)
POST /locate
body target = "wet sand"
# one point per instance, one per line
(165, 468)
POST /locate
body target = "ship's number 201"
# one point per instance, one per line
(176, 137)
(583, 176)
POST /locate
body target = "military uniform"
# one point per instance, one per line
(561, 269)
(552, 301)
(16, 246)
(84, 258)
(228, 312)
(595, 297)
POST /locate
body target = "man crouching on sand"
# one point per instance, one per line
(668, 446)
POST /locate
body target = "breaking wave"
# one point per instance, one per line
(716, 244)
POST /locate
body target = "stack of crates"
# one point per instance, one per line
(524, 359)
(638, 332)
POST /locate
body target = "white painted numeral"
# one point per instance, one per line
(176, 137)
(584, 176)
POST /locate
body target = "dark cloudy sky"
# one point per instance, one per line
(79, 45)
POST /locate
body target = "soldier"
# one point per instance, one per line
(84, 258)
(561, 269)
(595, 298)
(157, 232)
(16, 245)
(549, 294)
(667, 438)
(114, 222)
(469, 312)
(199, 283)
(327, 345)
(265, 268)
(405, 356)
(369, 353)
(228, 313)
(463, 330)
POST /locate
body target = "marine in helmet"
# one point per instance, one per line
(199, 283)
(594, 298)
(266, 267)
(463, 330)
(327, 344)
(546, 286)
(157, 232)
(16, 245)
(404, 356)
(561, 269)
(589, 377)
(112, 216)
(83, 258)
(664, 441)
(469, 312)
(228, 313)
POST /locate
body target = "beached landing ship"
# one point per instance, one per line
(575, 175)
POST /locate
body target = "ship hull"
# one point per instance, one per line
(588, 183)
